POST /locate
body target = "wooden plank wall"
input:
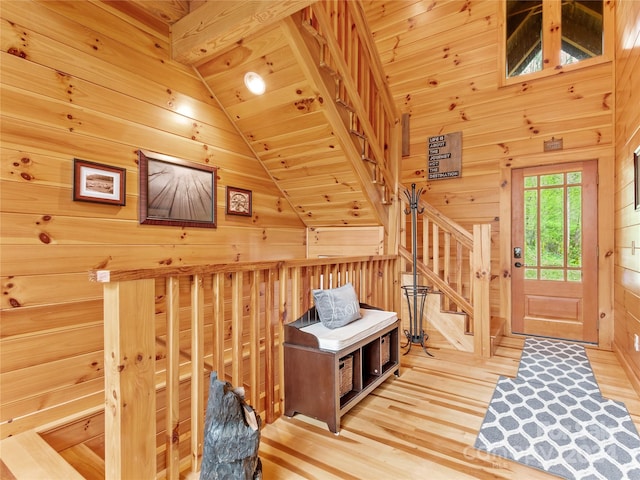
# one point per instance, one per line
(627, 251)
(341, 241)
(441, 65)
(81, 80)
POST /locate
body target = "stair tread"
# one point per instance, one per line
(497, 325)
(85, 460)
(27, 455)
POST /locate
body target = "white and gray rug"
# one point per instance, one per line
(553, 417)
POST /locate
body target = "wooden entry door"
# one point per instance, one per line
(554, 251)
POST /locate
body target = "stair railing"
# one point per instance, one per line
(348, 53)
(455, 263)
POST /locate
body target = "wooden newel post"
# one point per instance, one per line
(130, 394)
(481, 289)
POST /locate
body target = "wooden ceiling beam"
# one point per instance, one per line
(214, 26)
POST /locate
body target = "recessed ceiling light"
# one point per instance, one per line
(254, 83)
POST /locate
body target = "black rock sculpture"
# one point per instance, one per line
(231, 435)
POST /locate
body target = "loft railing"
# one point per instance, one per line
(347, 51)
(456, 263)
(166, 329)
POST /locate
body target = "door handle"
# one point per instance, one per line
(517, 264)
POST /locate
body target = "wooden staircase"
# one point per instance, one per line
(447, 328)
(454, 262)
(456, 265)
(451, 325)
(344, 50)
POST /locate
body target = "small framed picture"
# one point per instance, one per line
(98, 183)
(238, 201)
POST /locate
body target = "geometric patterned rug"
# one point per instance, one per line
(553, 417)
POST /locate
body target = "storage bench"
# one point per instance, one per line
(314, 381)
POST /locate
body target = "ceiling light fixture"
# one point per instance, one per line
(254, 83)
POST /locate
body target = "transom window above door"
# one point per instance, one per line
(543, 37)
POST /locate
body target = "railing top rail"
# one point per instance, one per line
(369, 48)
(106, 276)
(460, 233)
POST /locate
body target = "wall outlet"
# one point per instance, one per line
(636, 342)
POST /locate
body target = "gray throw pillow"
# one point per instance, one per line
(337, 306)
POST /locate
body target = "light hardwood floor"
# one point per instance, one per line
(420, 425)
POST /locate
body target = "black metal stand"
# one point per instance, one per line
(416, 297)
(415, 294)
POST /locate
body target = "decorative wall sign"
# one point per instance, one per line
(238, 201)
(636, 177)
(95, 182)
(553, 144)
(444, 154)
(176, 192)
(406, 132)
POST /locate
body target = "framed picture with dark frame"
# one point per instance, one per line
(176, 192)
(636, 178)
(98, 183)
(238, 201)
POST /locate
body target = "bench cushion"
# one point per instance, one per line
(336, 339)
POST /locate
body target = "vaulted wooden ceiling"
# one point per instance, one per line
(291, 128)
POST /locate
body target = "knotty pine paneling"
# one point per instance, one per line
(52, 346)
(350, 241)
(34, 24)
(83, 80)
(18, 104)
(148, 27)
(272, 43)
(54, 230)
(28, 320)
(148, 108)
(65, 372)
(406, 24)
(289, 125)
(441, 65)
(68, 258)
(59, 403)
(627, 219)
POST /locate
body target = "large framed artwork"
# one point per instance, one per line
(98, 183)
(176, 192)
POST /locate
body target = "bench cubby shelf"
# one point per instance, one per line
(312, 375)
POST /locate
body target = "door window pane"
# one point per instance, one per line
(574, 224)
(574, 177)
(552, 239)
(530, 182)
(531, 228)
(551, 180)
(574, 275)
(551, 274)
